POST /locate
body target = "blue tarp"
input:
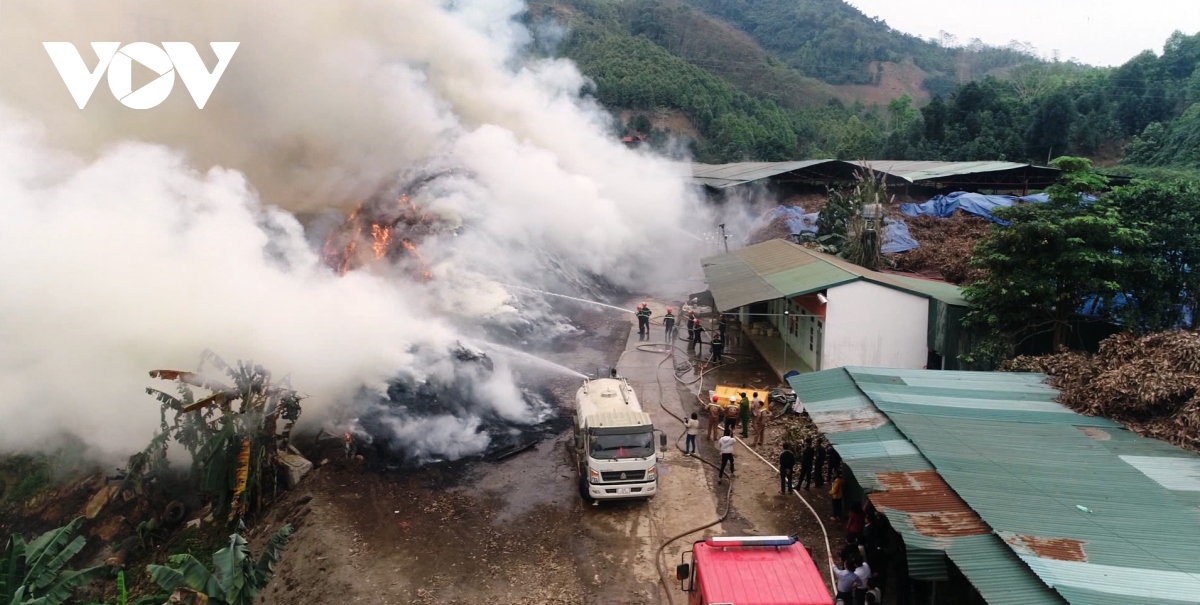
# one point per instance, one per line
(945, 206)
(896, 237)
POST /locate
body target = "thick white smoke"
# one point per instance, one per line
(130, 240)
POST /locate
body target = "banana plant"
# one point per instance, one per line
(33, 573)
(236, 578)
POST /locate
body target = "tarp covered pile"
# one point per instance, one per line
(896, 237)
(944, 206)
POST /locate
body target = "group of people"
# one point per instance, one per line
(863, 561)
(749, 414)
(819, 463)
(695, 331)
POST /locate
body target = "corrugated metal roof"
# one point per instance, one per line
(779, 269)
(739, 173)
(721, 176)
(916, 171)
(1087, 505)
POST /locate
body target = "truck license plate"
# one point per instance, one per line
(623, 490)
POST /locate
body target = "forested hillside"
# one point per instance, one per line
(833, 41)
(768, 80)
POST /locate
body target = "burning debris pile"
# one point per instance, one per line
(447, 416)
(1149, 383)
(379, 230)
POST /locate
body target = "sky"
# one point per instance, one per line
(1097, 32)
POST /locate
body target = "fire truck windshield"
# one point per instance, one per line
(622, 445)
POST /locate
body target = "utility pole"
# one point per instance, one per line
(784, 330)
(724, 238)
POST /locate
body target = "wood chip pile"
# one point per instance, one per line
(946, 246)
(1150, 383)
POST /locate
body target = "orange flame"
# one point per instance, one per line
(379, 244)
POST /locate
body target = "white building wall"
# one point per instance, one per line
(871, 325)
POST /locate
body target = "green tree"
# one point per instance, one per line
(1158, 281)
(35, 573)
(1047, 262)
(236, 578)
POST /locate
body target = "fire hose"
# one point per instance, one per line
(670, 354)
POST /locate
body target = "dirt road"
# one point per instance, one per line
(516, 531)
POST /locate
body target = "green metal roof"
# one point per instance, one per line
(781, 269)
(1025, 464)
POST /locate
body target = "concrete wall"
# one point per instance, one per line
(871, 325)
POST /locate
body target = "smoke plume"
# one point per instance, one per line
(134, 239)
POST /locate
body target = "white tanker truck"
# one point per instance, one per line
(614, 442)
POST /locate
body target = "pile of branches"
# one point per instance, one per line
(946, 247)
(1149, 383)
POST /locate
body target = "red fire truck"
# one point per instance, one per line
(752, 570)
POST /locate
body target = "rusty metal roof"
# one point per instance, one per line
(1079, 504)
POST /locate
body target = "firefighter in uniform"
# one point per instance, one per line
(669, 323)
(643, 315)
(717, 344)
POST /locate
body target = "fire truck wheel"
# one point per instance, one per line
(583, 491)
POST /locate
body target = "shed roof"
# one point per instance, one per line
(779, 269)
(928, 173)
(1090, 509)
(720, 176)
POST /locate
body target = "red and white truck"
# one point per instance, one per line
(751, 570)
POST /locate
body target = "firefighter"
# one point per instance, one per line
(669, 323)
(716, 413)
(717, 344)
(731, 415)
(723, 327)
(643, 315)
(691, 329)
(697, 336)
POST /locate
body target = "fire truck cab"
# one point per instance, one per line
(751, 570)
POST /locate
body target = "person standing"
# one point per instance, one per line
(835, 495)
(863, 573)
(698, 337)
(643, 315)
(723, 327)
(819, 464)
(726, 447)
(693, 429)
(806, 464)
(846, 581)
(787, 466)
(716, 416)
(717, 344)
(669, 324)
(761, 412)
(731, 412)
(691, 330)
(854, 522)
(744, 415)
(835, 462)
